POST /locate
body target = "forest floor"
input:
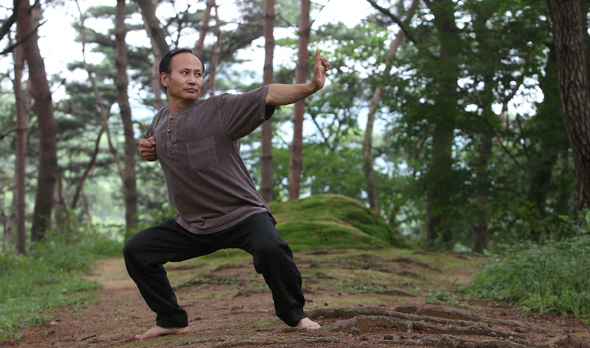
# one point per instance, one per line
(361, 299)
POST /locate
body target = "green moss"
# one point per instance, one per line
(332, 221)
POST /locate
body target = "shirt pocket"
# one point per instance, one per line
(202, 154)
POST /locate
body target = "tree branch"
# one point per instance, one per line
(394, 19)
(11, 48)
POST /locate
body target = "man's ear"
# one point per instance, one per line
(164, 79)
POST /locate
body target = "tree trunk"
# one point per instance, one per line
(47, 171)
(216, 50)
(159, 45)
(129, 176)
(22, 125)
(80, 184)
(479, 237)
(479, 240)
(569, 35)
(438, 177)
(266, 141)
(368, 140)
(295, 166)
(440, 169)
(553, 140)
(204, 28)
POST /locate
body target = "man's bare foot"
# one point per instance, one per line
(306, 323)
(161, 331)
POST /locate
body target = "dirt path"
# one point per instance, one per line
(362, 300)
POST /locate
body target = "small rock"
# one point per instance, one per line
(364, 338)
(354, 330)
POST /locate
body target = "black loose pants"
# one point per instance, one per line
(147, 251)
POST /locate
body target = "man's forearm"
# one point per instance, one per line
(284, 94)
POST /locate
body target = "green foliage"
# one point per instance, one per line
(444, 296)
(331, 221)
(549, 278)
(50, 276)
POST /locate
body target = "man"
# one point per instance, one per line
(197, 143)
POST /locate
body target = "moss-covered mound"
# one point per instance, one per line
(332, 221)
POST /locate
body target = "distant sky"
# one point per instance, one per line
(57, 35)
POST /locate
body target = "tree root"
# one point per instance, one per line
(433, 314)
(311, 342)
(439, 330)
(451, 313)
(380, 323)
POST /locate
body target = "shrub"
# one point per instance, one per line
(549, 278)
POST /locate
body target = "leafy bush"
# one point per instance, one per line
(50, 276)
(549, 278)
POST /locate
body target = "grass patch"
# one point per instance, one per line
(550, 278)
(50, 276)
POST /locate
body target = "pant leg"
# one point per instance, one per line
(273, 259)
(145, 254)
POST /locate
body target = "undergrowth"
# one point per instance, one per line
(50, 275)
(547, 278)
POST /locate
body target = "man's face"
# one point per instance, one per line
(185, 80)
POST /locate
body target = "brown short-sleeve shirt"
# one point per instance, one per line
(199, 151)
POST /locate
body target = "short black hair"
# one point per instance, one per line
(165, 63)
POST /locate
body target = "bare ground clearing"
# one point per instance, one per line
(361, 298)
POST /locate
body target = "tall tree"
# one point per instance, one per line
(373, 198)
(47, 171)
(204, 28)
(22, 121)
(295, 163)
(570, 35)
(159, 45)
(267, 78)
(216, 50)
(444, 113)
(122, 82)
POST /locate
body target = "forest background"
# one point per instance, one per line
(472, 146)
(463, 124)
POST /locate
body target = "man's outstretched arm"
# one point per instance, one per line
(283, 94)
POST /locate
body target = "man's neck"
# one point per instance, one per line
(175, 108)
(177, 105)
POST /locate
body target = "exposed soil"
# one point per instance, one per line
(361, 300)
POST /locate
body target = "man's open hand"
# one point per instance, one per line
(319, 73)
